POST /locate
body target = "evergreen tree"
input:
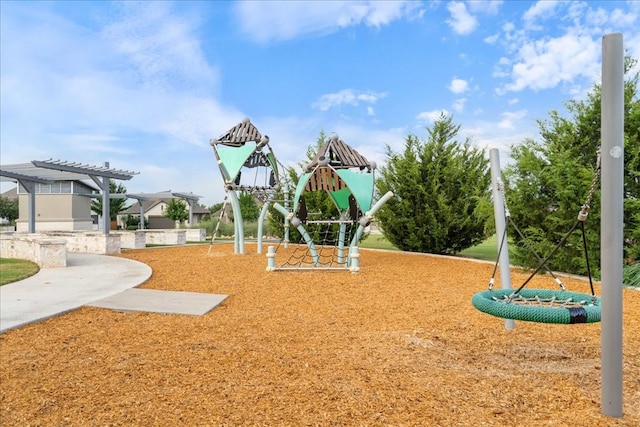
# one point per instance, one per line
(115, 205)
(248, 207)
(441, 192)
(551, 179)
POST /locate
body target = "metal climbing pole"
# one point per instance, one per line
(501, 225)
(611, 254)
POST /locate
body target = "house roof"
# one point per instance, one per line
(11, 194)
(164, 195)
(151, 203)
(148, 205)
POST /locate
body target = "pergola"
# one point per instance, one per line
(143, 197)
(48, 171)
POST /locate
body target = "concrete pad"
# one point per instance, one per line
(157, 301)
(54, 291)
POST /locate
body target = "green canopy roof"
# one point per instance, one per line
(361, 186)
(358, 184)
(234, 158)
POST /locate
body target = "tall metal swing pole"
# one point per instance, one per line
(501, 225)
(612, 217)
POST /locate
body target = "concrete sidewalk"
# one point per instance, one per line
(52, 291)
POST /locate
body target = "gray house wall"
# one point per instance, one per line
(57, 211)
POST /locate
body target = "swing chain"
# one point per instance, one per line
(582, 216)
(501, 186)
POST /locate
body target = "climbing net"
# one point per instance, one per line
(326, 247)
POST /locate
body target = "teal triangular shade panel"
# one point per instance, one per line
(358, 184)
(361, 186)
(234, 158)
(341, 199)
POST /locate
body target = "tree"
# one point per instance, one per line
(9, 209)
(551, 179)
(215, 207)
(115, 205)
(441, 190)
(248, 207)
(176, 210)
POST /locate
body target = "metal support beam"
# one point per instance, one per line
(612, 218)
(106, 203)
(501, 225)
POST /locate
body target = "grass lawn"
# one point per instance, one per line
(12, 270)
(377, 241)
(486, 250)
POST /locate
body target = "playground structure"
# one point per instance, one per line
(243, 149)
(329, 172)
(343, 174)
(348, 180)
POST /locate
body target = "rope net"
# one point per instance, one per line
(326, 249)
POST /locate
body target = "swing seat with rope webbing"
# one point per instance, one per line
(539, 305)
(544, 305)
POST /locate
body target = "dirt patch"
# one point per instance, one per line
(399, 343)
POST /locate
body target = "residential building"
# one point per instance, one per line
(154, 214)
(60, 206)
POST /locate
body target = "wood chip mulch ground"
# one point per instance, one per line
(397, 344)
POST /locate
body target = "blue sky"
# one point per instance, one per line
(146, 85)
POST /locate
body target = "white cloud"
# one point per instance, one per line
(510, 117)
(97, 143)
(543, 9)
(92, 93)
(490, 7)
(458, 86)
(487, 135)
(461, 22)
(161, 44)
(432, 116)
(458, 105)
(570, 59)
(266, 21)
(545, 63)
(491, 39)
(346, 96)
(124, 79)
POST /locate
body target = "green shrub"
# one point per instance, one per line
(228, 229)
(631, 275)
